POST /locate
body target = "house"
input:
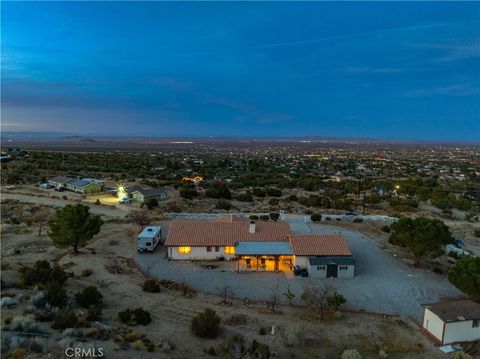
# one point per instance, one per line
(142, 194)
(259, 245)
(323, 256)
(59, 181)
(84, 185)
(452, 321)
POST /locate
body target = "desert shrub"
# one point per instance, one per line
(94, 313)
(264, 217)
(97, 202)
(151, 286)
(18, 353)
(385, 229)
(136, 316)
(236, 319)
(151, 203)
(351, 354)
(137, 345)
(274, 216)
(460, 355)
(328, 218)
(56, 295)
(42, 273)
(64, 319)
(89, 296)
(244, 197)
(358, 220)
(476, 232)
(316, 217)
(336, 300)
(273, 192)
(206, 324)
(338, 219)
(87, 272)
(253, 217)
(26, 324)
(7, 319)
(293, 198)
(273, 201)
(223, 204)
(259, 350)
(262, 331)
(142, 317)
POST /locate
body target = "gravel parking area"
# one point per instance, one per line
(381, 284)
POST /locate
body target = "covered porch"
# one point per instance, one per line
(264, 256)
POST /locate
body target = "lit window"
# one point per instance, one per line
(184, 250)
(230, 250)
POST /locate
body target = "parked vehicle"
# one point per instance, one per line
(9, 187)
(149, 238)
(125, 200)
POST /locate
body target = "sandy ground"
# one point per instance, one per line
(306, 336)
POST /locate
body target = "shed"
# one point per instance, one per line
(326, 267)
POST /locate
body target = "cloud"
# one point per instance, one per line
(450, 90)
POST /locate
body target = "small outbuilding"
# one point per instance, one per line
(328, 267)
(452, 321)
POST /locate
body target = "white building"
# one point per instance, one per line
(453, 321)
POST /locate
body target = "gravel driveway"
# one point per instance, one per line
(381, 284)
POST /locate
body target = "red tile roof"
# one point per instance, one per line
(319, 245)
(221, 233)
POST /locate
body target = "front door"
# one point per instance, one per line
(331, 270)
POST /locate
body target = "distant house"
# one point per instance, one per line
(84, 185)
(60, 181)
(141, 194)
(259, 245)
(452, 321)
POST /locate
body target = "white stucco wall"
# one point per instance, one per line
(198, 253)
(301, 261)
(316, 273)
(433, 324)
(461, 332)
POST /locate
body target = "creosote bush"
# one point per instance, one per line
(136, 316)
(89, 296)
(94, 313)
(64, 319)
(43, 273)
(316, 217)
(206, 324)
(151, 286)
(56, 295)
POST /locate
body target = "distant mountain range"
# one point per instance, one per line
(62, 138)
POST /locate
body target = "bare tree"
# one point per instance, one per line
(274, 297)
(140, 217)
(318, 297)
(41, 217)
(226, 291)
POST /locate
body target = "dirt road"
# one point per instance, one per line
(109, 211)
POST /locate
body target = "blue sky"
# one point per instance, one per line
(381, 70)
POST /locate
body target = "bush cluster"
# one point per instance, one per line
(151, 286)
(64, 319)
(136, 316)
(89, 296)
(206, 324)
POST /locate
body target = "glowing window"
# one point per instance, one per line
(184, 250)
(230, 250)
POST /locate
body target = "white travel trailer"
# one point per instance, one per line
(148, 239)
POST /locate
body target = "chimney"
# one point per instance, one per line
(252, 227)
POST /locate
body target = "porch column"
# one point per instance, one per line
(275, 267)
(256, 260)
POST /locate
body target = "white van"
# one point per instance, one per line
(148, 239)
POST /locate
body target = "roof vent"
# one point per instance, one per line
(252, 227)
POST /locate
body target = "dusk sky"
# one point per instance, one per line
(379, 70)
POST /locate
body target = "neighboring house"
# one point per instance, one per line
(259, 245)
(84, 185)
(141, 194)
(60, 181)
(453, 321)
